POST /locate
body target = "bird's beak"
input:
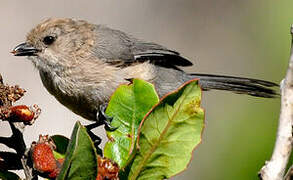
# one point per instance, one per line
(24, 49)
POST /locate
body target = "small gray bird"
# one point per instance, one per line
(81, 64)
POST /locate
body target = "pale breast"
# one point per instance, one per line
(83, 101)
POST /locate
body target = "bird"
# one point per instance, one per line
(81, 64)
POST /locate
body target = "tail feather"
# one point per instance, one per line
(239, 85)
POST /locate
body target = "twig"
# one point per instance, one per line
(28, 171)
(275, 168)
(289, 174)
(1, 79)
(9, 94)
(10, 161)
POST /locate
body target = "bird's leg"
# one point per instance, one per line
(102, 119)
(105, 119)
(96, 139)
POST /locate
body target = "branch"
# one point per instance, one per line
(10, 161)
(28, 171)
(18, 117)
(275, 168)
(289, 174)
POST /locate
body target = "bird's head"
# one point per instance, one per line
(57, 42)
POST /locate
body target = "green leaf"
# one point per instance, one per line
(169, 134)
(81, 158)
(7, 175)
(128, 105)
(61, 143)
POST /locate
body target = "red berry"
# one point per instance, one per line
(22, 113)
(43, 158)
(107, 169)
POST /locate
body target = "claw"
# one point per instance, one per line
(102, 118)
(109, 127)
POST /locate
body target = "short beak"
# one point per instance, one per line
(24, 49)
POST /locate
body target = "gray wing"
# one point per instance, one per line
(114, 45)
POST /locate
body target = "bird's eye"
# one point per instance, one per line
(48, 40)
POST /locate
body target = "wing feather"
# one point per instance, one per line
(114, 45)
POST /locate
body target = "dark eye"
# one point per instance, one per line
(48, 40)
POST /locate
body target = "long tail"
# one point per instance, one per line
(253, 87)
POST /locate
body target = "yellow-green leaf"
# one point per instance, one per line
(169, 134)
(128, 106)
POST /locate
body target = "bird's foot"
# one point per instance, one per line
(103, 118)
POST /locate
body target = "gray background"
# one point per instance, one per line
(232, 37)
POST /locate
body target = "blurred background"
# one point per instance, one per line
(233, 37)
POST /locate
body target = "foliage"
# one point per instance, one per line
(152, 135)
(81, 157)
(154, 138)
